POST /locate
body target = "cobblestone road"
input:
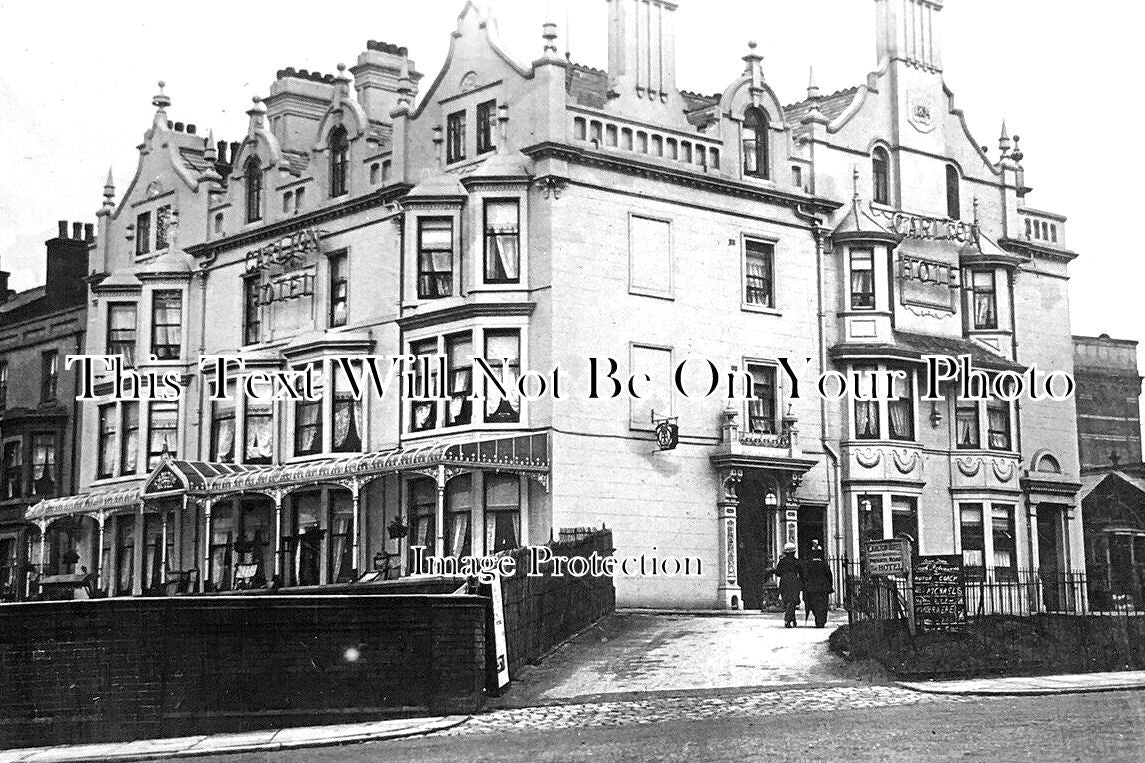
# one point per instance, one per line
(690, 708)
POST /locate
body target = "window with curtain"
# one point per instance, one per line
(966, 434)
(339, 289)
(347, 412)
(459, 409)
(252, 315)
(862, 279)
(871, 517)
(258, 423)
(866, 411)
(223, 431)
(49, 375)
(423, 413)
(455, 137)
(162, 431)
(143, 233)
(998, 421)
(953, 203)
(105, 457)
(162, 226)
(121, 331)
(44, 463)
(502, 241)
(761, 409)
(341, 539)
(222, 538)
(502, 512)
(152, 552)
(503, 354)
(755, 154)
(434, 257)
(13, 469)
(985, 294)
(973, 539)
(339, 161)
(422, 510)
(167, 324)
(307, 427)
(129, 442)
(252, 174)
(900, 409)
(486, 113)
(904, 519)
(458, 501)
(881, 175)
(759, 288)
(1005, 545)
(3, 384)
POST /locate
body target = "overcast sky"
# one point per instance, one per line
(76, 80)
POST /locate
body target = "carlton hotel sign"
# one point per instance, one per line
(286, 266)
(926, 228)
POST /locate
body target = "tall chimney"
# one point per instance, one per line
(642, 48)
(908, 30)
(67, 260)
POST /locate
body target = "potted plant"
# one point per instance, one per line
(397, 528)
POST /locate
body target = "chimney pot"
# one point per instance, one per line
(178, 127)
(190, 129)
(77, 231)
(89, 232)
(63, 225)
(221, 150)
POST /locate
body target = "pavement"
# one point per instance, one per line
(633, 669)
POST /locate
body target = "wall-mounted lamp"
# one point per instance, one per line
(770, 500)
(865, 505)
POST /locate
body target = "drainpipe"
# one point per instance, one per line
(834, 487)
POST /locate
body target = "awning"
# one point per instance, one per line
(87, 503)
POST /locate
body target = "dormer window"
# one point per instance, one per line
(486, 113)
(953, 203)
(143, 234)
(881, 175)
(339, 161)
(252, 172)
(755, 158)
(455, 137)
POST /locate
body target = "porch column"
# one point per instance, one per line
(43, 525)
(140, 542)
(355, 524)
(729, 594)
(439, 515)
(278, 536)
(205, 573)
(1035, 566)
(101, 518)
(163, 549)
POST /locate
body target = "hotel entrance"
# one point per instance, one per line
(757, 538)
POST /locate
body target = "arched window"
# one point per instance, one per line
(339, 160)
(253, 174)
(953, 204)
(881, 175)
(755, 158)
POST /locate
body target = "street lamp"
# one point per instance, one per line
(770, 500)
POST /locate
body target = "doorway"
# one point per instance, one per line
(812, 530)
(756, 533)
(1050, 557)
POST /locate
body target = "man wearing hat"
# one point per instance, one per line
(790, 573)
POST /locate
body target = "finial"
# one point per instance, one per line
(209, 152)
(855, 180)
(1004, 140)
(1017, 154)
(568, 35)
(161, 100)
(108, 196)
(502, 125)
(405, 85)
(812, 88)
(549, 33)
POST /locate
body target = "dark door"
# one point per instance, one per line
(1049, 557)
(755, 542)
(812, 530)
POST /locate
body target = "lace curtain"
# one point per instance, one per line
(259, 440)
(502, 241)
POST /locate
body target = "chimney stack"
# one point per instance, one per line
(378, 78)
(908, 30)
(642, 48)
(67, 260)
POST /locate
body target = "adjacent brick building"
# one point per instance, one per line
(1108, 401)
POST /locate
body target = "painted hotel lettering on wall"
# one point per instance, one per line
(926, 228)
(279, 262)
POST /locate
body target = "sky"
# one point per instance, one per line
(76, 81)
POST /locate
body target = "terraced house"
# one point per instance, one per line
(540, 214)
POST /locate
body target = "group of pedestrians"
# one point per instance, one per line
(811, 578)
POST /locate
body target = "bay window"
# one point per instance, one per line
(44, 463)
(989, 547)
(985, 299)
(998, 424)
(502, 512)
(129, 442)
(866, 411)
(459, 408)
(347, 413)
(502, 241)
(458, 501)
(105, 456)
(900, 409)
(434, 257)
(503, 355)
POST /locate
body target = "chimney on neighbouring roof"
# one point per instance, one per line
(908, 30)
(378, 78)
(67, 257)
(642, 48)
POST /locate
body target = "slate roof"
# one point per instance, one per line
(831, 105)
(910, 346)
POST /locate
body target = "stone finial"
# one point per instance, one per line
(161, 100)
(1004, 140)
(210, 174)
(209, 152)
(502, 124)
(1017, 154)
(256, 113)
(108, 205)
(437, 143)
(812, 88)
(549, 34)
(405, 85)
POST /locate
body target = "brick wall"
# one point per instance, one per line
(118, 669)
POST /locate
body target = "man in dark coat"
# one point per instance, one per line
(790, 573)
(818, 585)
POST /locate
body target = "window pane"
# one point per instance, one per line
(500, 346)
(459, 349)
(870, 517)
(502, 241)
(862, 279)
(502, 512)
(758, 273)
(966, 425)
(904, 519)
(973, 535)
(900, 411)
(167, 325)
(650, 252)
(762, 417)
(998, 418)
(1005, 546)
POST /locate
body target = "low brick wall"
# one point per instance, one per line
(999, 644)
(118, 669)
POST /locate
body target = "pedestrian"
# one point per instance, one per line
(818, 585)
(790, 574)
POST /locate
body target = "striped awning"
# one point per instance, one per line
(86, 503)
